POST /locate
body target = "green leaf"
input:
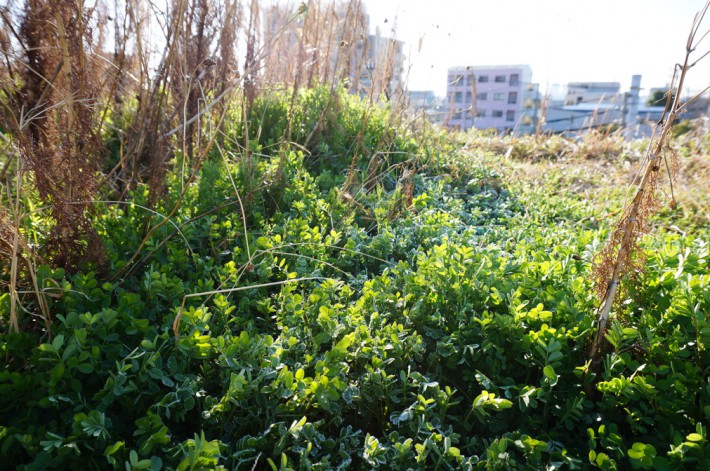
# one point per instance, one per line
(263, 242)
(58, 342)
(549, 373)
(629, 332)
(603, 461)
(555, 356)
(85, 368)
(95, 424)
(455, 452)
(111, 449)
(156, 464)
(635, 452)
(57, 372)
(345, 343)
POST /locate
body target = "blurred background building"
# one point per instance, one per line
(501, 97)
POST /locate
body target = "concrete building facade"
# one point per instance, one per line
(500, 97)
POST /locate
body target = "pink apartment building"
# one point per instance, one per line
(500, 97)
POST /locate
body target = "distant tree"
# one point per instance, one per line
(658, 98)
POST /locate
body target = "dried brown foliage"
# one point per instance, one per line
(328, 43)
(318, 44)
(622, 249)
(251, 58)
(192, 75)
(53, 115)
(230, 19)
(147, 152)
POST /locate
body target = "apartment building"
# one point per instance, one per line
(500, 97)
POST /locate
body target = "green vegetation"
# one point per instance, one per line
(436, 315)
(204, 268)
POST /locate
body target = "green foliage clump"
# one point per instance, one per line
(319, 332)
(332, 125)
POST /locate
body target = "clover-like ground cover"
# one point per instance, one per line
(438, 318)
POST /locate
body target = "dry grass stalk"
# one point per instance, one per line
(10, 249)
(23, 260)
(145, 151)
(621, 256)
(192, 76)
(251, 59)
(227, 67)
(319, 44)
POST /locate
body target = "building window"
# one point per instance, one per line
(514, 79)
(458, 96)
(469, 97)
(482, 78)
(497, 114)
(510, 115)
(455, 80)
(500, 79)
(512, 98)
(457, 115)
(481, 113)
(483, 96)
(498, 96)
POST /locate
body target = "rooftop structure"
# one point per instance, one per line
(593, 92)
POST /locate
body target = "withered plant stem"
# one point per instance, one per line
(623, 242)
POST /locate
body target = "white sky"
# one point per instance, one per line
(562, 40)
